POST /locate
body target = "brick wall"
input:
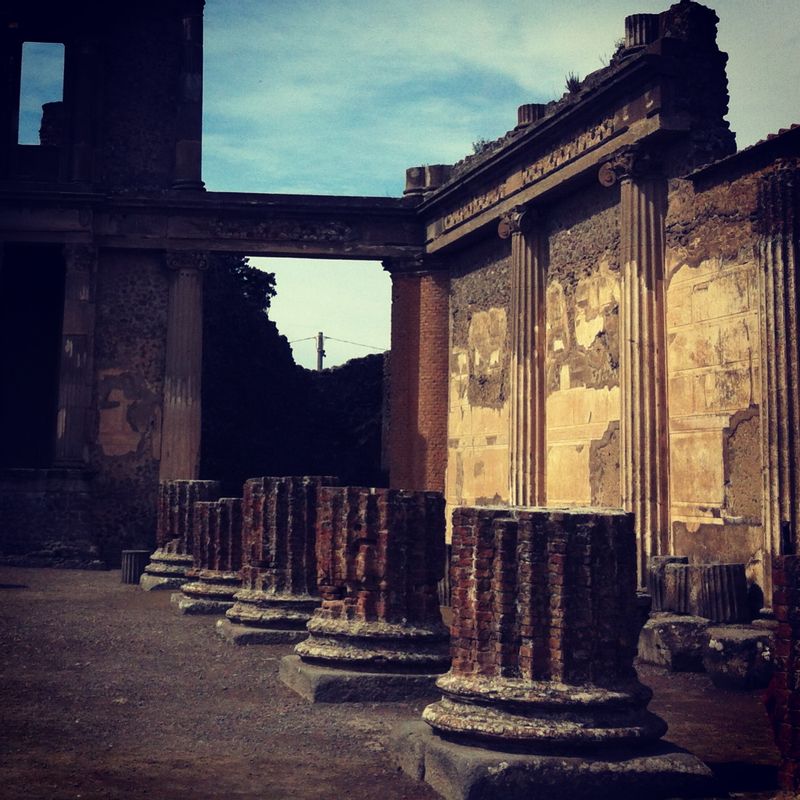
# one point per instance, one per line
(418, 433)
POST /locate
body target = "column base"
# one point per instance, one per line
(459, 771)
(165, 571)
(198, 605)
(321, 684)
(239, 634)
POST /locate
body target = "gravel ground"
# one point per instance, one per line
(106, 692)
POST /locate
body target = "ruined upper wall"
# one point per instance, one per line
(665, 86)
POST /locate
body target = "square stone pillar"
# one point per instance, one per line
(378, 634)
(76, 371)
(419, 364)
(779, 265)
(180, 437)
(644, 450)
(527, 450)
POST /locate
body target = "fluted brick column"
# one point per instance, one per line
(77, 350)
(778, 261)
(278, 591)
(215, 576)
(188, 145)
(544, 630)
(419, 374)
(527, 454)
(180, 437)
(644, 451)
(175, 532)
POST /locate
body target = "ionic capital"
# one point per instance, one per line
(629, 163)
(177, 260)
(518, 220)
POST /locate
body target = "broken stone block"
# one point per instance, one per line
(278, 593)
(739, 656)
(542, 696)
(175, 532)
(380, 556)
(656, 579)
(674, 641)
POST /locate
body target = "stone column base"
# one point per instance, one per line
(458, 771)
(211, 593)
(165, 571)
(321, 684)
(236, 633)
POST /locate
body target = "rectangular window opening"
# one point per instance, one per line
(41, 107)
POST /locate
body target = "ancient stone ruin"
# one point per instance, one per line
(175, 532)
(378, 634)
(278, 592)
(542, 694)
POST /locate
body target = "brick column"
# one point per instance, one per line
(188, 144)
(782, 698)
(419, 375)
(175, 532)
(527, 454)
(77, 357)
(778, 261)
(180, 437)
(644, 451)
(215, 576)
(278, 591)
(378, 633)
(542, 698)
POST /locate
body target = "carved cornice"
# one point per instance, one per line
(519, 220)
(416, 264)
(186, 260)
(629, 163)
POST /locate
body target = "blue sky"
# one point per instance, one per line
(340, 96)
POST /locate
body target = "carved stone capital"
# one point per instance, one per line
(415, 264)
(518, 220)
(186, 260)
(629, 163)
(82, 257)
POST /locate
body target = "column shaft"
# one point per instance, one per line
(527, 453)
(419, 379)
(779, 198)
(180, 443)
(77, 350)
(644, 454)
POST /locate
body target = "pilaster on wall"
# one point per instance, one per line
(77, 348)
(778, 261)
(180, 442)
(527, 452)
(419, 374)
(644, 452)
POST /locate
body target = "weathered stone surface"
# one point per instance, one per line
(739, 656)
(380, 555)
(320, 684)
(656, 579)
(673, 641)
(236, 633)
(165, 571)
(461, 772)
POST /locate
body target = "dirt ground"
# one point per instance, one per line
(106, 692)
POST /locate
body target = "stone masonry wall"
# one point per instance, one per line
(713, 363)
(479, 397)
